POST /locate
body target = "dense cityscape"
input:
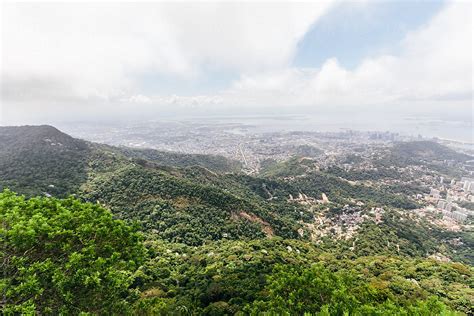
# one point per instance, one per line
(443, 195)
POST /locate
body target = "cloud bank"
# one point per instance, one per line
(76, 60)
(434, 64)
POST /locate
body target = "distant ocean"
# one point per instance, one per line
(456, 130)
(461, 131)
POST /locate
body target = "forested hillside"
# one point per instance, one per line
(39, 159)
(426, 150)
(35, 160)
(156, 233)
(64, 256)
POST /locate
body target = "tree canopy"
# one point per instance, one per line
(64, 256)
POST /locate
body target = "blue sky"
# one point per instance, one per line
(352, 31)
(349, 31)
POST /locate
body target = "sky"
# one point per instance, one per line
(141, 60)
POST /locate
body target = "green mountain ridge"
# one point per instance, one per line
(33, 159)
(219, 241)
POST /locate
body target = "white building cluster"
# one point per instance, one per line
(456, 192)
(468, 184)
(452, 210)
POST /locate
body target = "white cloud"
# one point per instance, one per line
(93, 54)
(94, 51)
(435, 64)
(138, 98)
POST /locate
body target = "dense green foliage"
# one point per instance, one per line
(339, 191)
(232, 276)
(293, 290)
(183, 211)
(305, 179)
(380, 173)
(213, 163)
(36, 160)
(214, 241)
(67, 256)
(39, 159)
(426, 151)
(63, 256)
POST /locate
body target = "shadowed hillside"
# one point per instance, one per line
(426, 150)
(39, 159)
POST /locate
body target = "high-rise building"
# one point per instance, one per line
(434, 193)
(442, 204)
(471, 187)
(466, 185)
(448, 207)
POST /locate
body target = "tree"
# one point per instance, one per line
(65, 256)
(296, 290)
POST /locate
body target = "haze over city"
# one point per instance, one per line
(361, 61)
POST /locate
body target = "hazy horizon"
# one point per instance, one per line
(369, 61)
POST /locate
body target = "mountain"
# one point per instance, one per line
(35, 160)
(39, 159)
(213, 241)
(197, 198)
(182, 198)
(213, 163)
(426, 151)
(179, 196)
